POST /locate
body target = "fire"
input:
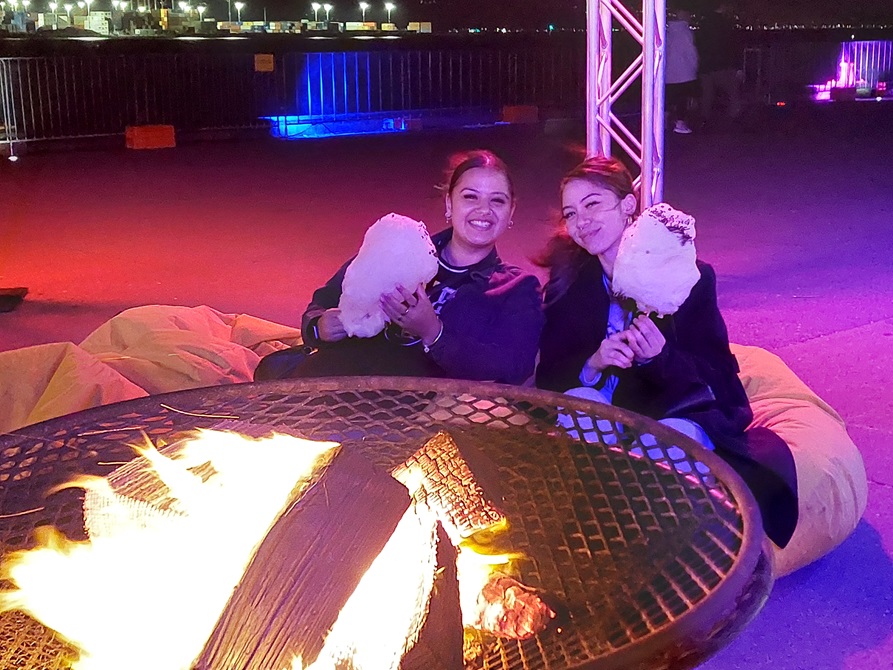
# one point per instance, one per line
(476, 567)
(156, 580)
(172, 535)
(382, 619)
(439, 474)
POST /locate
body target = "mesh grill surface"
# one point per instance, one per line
(650, 546)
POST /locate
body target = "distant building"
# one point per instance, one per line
(99, 22)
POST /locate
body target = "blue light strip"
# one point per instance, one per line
(327, 103)
(299, 127)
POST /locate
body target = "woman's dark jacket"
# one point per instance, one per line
(491, 330)
(694, 377)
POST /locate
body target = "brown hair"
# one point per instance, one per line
(468, 160)
(562, 255)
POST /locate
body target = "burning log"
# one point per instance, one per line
(278, 554)
(306, 569)
(442, 471)
(440, 641)
(491, 601)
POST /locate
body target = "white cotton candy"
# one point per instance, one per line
(656, 261)
(396, 250)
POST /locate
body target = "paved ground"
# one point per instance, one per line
(795, 213)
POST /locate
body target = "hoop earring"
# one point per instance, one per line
(449, 219)
(511, 223)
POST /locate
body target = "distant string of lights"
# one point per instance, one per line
(86, 7)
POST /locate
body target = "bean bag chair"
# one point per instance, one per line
(165, 348)
(832, 486)
(141, 351)
(49, 380)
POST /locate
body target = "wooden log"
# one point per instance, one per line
(306, 569)
(439, 646)
(458, 482)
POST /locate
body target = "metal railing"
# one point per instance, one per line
(70, 90)
(67, 96)
(776, 71)
(785, 69)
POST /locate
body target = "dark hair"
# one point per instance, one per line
(562, 255)
(604, 171)
(468, 160)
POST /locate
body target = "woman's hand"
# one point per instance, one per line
(329, 326)
(644, 338)
(612, 351)
(412, 311)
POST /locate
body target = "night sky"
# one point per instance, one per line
(533, 14)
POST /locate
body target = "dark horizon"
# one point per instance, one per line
(561, 14)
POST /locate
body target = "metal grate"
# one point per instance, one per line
(649, 545)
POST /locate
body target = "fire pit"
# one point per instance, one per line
(650, 546)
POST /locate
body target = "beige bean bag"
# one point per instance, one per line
(141, 351)
(170, 348)
(157, 348)
(49, 380)
(831, 480)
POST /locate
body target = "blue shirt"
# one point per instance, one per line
(618, 321)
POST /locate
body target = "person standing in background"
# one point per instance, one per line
(721, 55)
(681, 70)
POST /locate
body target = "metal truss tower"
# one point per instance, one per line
(602, 91)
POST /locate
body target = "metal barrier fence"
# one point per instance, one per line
(99, 94)
(782, 71)
(785, 70)
(76, 91)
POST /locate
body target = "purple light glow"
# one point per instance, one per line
(846, 74)
(862, 66)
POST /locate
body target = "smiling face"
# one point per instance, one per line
(480, 206)
(595, 216)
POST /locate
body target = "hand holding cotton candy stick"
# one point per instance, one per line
(413, 311)
(656, 261)
(644, 339)
(330, 327)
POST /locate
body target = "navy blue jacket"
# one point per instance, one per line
(694, 377)
(491, 330)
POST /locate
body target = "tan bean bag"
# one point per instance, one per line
(170, 348)
(49, 380)
(159, 348)
(831, 480)
(141, 351)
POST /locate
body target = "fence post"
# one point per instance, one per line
(7, 114)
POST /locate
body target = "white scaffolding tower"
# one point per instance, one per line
(602, 91)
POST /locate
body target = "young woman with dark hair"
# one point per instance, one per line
(478, 319)
(678, 369)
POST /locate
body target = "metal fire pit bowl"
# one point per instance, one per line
(653, 550)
